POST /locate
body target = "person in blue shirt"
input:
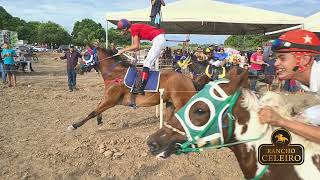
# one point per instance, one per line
(9, 64)
(177, 56)
(220, 55)
(3, 73)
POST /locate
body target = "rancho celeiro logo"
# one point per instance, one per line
(281, 151)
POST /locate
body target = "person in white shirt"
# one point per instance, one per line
(296, 51)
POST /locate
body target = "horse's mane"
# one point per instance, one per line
(109, 52)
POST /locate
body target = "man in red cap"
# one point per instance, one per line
(143, 32)
(296, 51)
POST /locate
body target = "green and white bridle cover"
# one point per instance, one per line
(219, 106)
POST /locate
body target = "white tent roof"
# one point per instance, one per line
(211, 17)
(312, 23)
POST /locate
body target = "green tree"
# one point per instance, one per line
(52, 33)
(245, 42)
(7, 22)
(116, 37)
(29, 32)
(5, 19)
(86, 31)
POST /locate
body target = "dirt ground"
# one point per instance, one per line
(35, 143)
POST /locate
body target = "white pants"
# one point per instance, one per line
(154, 53)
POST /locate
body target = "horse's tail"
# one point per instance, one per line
(200, 82)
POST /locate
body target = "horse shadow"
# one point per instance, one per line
(143, 122)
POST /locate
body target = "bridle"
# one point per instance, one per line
(212, 130)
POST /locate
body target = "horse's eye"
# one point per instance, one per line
(199, 111)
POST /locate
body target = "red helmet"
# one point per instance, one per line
(297, 41)
(123, 24)
(300, 43)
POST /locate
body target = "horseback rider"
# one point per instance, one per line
(90, 58)
(217, 62)
(143, 32)
(296, 52)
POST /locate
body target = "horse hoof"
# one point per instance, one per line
(71, 128)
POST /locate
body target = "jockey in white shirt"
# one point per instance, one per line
(296, 51)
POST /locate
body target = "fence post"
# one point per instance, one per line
(161, 107)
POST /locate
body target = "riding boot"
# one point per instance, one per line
(144, 80)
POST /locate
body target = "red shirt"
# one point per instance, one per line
(256, 57)
(145, 32)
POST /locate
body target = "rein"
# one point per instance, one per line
(106, 73)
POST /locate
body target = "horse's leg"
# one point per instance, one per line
(169, 110)
(111, 98)
(99, 119)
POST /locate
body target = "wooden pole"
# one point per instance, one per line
(161, 107)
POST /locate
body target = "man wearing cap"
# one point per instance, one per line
(143, 32)
(296, 51)
(72, 57)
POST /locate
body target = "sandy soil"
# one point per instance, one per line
(34, 142)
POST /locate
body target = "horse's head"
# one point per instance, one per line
(208, 116)
(103, 53)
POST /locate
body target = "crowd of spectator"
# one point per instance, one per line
(261, 64)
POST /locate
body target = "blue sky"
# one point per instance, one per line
(66, 12)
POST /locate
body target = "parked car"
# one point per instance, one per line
(39, 49)
(63, 48)
(22, 50)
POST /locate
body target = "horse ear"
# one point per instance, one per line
(238, 79)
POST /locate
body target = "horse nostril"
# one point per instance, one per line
(153, 146)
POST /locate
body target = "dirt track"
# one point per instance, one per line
(34, 143)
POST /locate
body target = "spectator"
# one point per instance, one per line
(177, 56)
(270, 71)
(9, 64)
(256, 67)
(200, 55)
(219, 59)
(167, 53)
(72, 60)
(234, 59)
(155, 14)
(113, 48)
(3, 73)
(243, 60)
(185, 54)
(220, 55)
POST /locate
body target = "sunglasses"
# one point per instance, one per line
(281, 44)
(259, 49)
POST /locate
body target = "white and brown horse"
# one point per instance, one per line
(246, 126)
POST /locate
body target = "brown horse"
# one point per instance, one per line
(178, 89)
(245, 136)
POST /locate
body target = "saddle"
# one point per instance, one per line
(133, 75)
(132, 81)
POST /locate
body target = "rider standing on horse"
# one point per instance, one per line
(143, 32)
(296, 52)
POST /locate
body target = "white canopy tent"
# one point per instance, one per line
(311, 23)
(211, 18)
